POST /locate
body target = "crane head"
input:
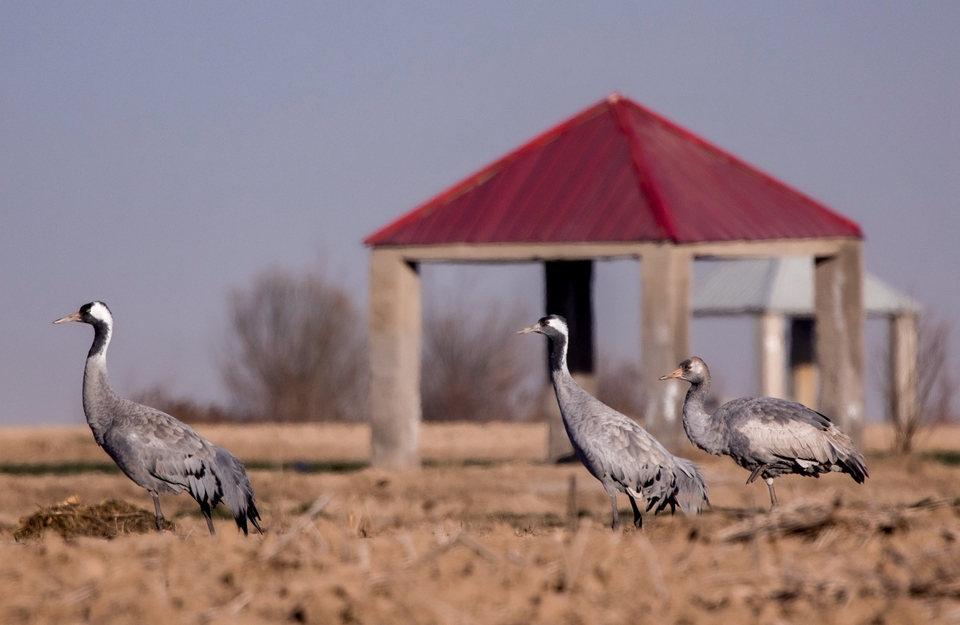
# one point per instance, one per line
(92, 313)
(550, 326)
(693, 370)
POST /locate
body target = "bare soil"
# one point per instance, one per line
(481, 535)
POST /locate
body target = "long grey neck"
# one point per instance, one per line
(98, 397)
(696, 421)
(564, 385)
(557, 355)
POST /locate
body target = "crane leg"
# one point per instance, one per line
(773, 493)
(158, 511)
(205, 509)
(637, 519)
(616, 513)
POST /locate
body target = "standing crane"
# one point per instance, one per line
(613, 447)
(155, 450)
(767, 436)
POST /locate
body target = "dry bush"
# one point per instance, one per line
(618, 386)
(474, 369)
(296, 351)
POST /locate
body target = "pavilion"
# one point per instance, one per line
(614, 181)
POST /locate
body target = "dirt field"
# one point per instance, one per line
(481, 535)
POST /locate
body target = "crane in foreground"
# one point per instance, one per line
(613, 447)
(767, 436)
(155, 450)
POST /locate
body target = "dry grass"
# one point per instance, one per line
(490, 543)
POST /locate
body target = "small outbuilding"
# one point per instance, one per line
(615, 181)
(779, 294)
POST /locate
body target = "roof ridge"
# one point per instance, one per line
(645, 179)
(739, 162)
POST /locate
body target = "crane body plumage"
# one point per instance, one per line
(623, 456)
(154, 449)
(767, 436)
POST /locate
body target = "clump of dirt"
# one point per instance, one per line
(71, 519)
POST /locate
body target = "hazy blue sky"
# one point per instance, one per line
(158, 155)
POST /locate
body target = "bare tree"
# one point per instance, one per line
(474, 369)
(296, 351)
(931, 376)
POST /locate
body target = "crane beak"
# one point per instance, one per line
(676, 374)
(74, 317)
(534, 328)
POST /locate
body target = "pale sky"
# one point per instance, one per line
(158, 155)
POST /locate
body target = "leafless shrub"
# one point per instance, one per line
(936, 387)
(618, 386)
(474, 369)
(296, 351)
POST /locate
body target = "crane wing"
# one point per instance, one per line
(782, 430)
(173, 452)
(622, 449)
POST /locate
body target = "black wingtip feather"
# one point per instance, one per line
(250, 514)
(858, 472)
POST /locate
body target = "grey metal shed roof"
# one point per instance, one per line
(752, 286)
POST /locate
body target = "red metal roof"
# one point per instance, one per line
(616, 172)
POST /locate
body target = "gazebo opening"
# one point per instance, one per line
(499, 299)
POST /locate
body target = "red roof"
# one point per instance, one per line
(616, 172)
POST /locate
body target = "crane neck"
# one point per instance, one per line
(102, 332)
(696, 421)
(557, 356)
(98, 396)
(567, 389)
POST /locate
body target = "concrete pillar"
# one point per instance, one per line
(665, 336)
(839, 337)
(569, 286)
(903, 337)
(395, 348)
(772, 356)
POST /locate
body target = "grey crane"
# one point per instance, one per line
(613, 447)
(767, 436)
(155, 450)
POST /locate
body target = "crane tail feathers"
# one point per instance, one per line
(848, 458)
(683, 486)
(237, 490)
(691, 488)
